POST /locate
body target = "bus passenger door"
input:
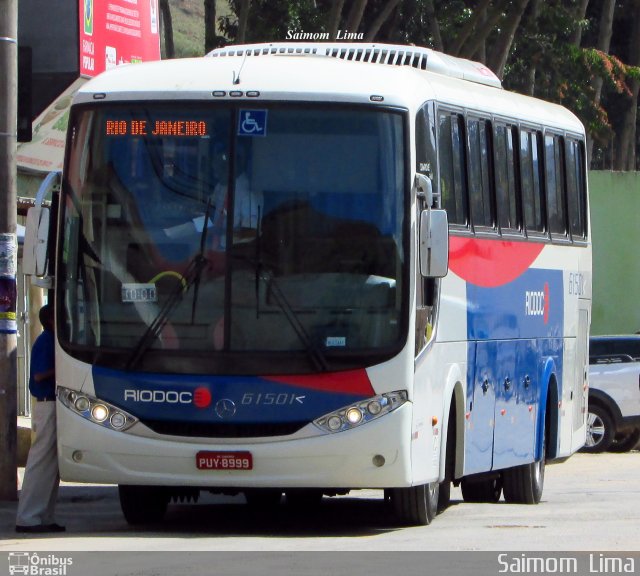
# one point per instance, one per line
(480, 409)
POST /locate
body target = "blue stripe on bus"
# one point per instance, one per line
(193, 398)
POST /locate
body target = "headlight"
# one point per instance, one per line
(96, 411)
(356, 414)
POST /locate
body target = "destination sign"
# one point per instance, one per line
(156, 128)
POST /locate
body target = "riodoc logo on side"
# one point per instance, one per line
(536, 303)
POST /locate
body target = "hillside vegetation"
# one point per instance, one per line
(188, 25)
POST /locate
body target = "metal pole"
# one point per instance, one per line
(8, 248)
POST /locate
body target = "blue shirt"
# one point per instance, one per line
(42, 359)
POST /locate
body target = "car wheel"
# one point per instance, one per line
(625, 442)
(600, 430)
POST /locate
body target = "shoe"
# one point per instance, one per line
(39, 528)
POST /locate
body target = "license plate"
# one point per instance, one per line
(206, 460)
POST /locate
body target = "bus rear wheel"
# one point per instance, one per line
(524, 484)
(417, 505)
(143, 504)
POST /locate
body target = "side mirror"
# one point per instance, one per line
(35, 252)
(434, 243)
(36, 242)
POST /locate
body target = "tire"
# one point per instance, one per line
(444, 495)
(486, 490)
(143, 504)
(524, 484)
(600, 430)
(417, 505)
(444, 490)
(625, 442)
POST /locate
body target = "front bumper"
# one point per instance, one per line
(94, 454)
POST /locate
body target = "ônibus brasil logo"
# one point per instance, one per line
(38, 565)
(200, 397)
(536, 303)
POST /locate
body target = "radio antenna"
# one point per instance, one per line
(236, 77)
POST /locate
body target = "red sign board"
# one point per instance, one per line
(114, 32)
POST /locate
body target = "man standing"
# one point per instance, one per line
(41, 478)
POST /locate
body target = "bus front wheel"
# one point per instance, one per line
(416, 505)
(143, 504)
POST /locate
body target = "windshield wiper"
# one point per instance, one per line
(313, 350)
(200, 255)
(191, 278)
(315, 354)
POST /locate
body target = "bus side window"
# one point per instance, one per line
(451, 154)
(532, 198)
(480, 193)
(555, 184)
(576, 191)
(505, 174)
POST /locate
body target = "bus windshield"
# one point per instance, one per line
(200, 239)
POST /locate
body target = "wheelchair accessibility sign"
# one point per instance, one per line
(252, 123)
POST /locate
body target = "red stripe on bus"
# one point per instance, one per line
(490, 263)
(348, 382)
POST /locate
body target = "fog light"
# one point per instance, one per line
(77, 456)
(378, 460)
(354, 415)
(82, 404)
(99, 413)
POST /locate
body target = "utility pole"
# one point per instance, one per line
(8, 248)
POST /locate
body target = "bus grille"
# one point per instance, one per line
(220, 430)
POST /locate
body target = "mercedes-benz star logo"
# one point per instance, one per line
(225, 408)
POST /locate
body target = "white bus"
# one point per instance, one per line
(303, 269)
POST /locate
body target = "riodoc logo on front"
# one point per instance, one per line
(34, 564)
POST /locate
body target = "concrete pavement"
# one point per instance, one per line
(591, 502)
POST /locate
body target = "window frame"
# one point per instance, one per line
(510, 127)
(581, 188)
(484, 156)
(539, 178)
(559, 160)
(459, 171)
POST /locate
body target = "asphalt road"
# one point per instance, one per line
(590, 503)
